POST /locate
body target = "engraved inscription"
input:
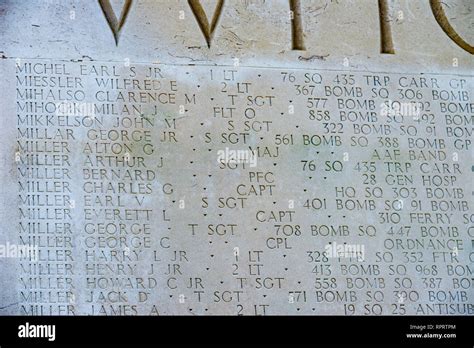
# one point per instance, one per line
(151, 189)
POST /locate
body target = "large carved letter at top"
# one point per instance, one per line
(297, 32)
(201, 17)
(114, 23)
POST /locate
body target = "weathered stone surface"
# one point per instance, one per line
(172, 161)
